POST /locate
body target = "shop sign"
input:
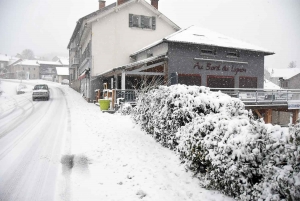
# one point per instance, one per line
(293, 104)
(219, 67)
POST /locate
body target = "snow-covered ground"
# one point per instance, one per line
(114, 160)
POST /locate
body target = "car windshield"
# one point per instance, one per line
(37, 87)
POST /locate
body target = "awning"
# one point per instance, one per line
(130, 65)
(83, 75)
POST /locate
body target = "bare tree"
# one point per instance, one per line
(292, 64)
(27, 54)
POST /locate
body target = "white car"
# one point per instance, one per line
(40, 91)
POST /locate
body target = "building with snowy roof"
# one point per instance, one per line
(63, 60)
(48, 69)
(105, 38)
(287, 78)
(197, 56)
(132, 39)
(24, 69)
(62, 73)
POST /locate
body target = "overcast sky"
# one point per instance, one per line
(45, 26)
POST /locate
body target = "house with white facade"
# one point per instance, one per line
(24, 69)
(104, 39)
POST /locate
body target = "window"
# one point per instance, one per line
(146, 22)
(208, 52)
(141, 21)
(189, 79)
(233, 54)
(247, 82)
(220, 81)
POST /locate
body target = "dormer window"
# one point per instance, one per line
(141, 21)
(208, 52)
(233, 55)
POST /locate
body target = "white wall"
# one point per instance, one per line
(113, 40)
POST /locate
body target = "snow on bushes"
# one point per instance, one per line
(125, 109)
(222, 143)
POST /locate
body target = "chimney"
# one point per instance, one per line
(154, 3)
(119, 2)
(101, 4)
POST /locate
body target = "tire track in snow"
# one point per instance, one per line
(18, 119)
(15, 125)
(30, 160)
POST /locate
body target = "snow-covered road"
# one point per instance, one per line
(104, 156)
(31, 137)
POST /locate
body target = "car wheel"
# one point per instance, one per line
(33, 99)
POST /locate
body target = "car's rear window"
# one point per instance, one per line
(40, 87)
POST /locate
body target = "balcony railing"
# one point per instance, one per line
(250, 97)
(263, 96)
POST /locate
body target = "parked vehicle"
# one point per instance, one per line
(65, 81)
(40, 91)
(20, 89)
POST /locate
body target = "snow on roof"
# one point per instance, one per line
(285, 73)
(62, 70)
(202, 36)
(64, 61)
(4, 57)
(270, 85)
(49, 63)
(12, 60)
(27, 63)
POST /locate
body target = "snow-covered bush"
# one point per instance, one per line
(162, 111)
(222, 143)
(281, 176)
(125, 109)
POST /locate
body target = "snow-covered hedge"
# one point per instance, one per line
(222, 143)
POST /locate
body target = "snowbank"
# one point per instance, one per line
(221, 142)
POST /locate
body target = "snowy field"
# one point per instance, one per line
(112, 158)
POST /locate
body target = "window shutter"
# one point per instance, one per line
(153, 23)
(142, 21)
(130, 20)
